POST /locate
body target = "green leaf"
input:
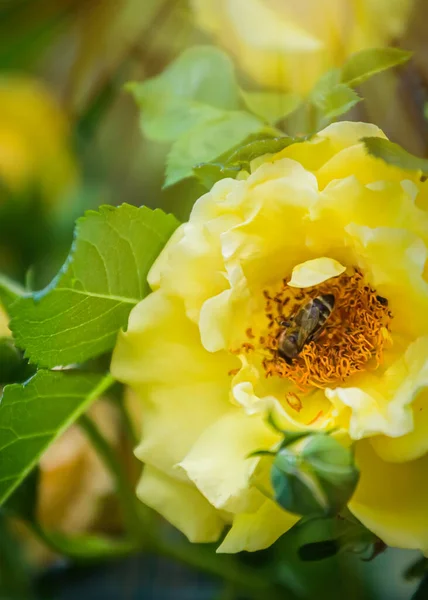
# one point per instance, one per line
(78, 315)
(22, 503)
(9, 291)
(271, 106)
(395, 155)
(35, 414)
(13, 366)
(232, 162)
(363, 65)
(344, 533)
(334, 102)
(323, 86)
(195, 88)
(208, 140)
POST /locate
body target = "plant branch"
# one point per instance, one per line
(126, 494)
(85, 547)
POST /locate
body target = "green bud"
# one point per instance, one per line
(314, 475)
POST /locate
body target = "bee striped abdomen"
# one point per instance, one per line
(325, 305)
(307, 326)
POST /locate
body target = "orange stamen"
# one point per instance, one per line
(294, 401)
(312, 421)
(353, 339)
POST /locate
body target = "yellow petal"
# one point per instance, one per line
(162, 359)
(391, 499)
(162, 345)
(348, 133)
(181, 504)
(191, 265)
(160, 266)
(258, 395)
(394, 261)
(411, 372)
(218, 463)
(264, 246)
(317, 151)
(354, 160)
(412, 445)
(179, 414)
(345, 201)
(255, 531)
(314, 272)
(225, 318)
(383, 403)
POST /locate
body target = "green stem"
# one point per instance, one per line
(83, 548)
(127, 424)
(126, 494)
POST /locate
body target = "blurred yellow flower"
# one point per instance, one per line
(34, 140)
(285, 44)
(201, 351)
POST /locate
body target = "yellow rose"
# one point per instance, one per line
(201, 352)
(286, 44)
(34, 144)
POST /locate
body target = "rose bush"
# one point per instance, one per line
(288, 45)
(201, 351)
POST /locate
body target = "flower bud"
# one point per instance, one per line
(314, 475)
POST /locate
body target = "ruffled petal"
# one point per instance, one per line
(182, 505)
(412, 445)
(218, 463)
(355, 160)
(258, 530)
(380, 204)
(391, 499)
(279, 193)
(394, 261)
(162, 359)
(316, 152)
(383, 404)
(162, 346)
(315, 271)
(179, 414)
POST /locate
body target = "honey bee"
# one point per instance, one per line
(306, 326)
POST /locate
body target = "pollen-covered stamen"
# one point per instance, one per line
(353, 338)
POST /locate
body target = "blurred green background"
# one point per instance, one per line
(70, 141)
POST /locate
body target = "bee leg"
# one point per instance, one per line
(317, 334)
(287, 359)
(284, 323)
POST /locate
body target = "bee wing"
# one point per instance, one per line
(308, 325)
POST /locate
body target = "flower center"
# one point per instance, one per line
(315, 340)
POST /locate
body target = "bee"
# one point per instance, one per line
(306, 326)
